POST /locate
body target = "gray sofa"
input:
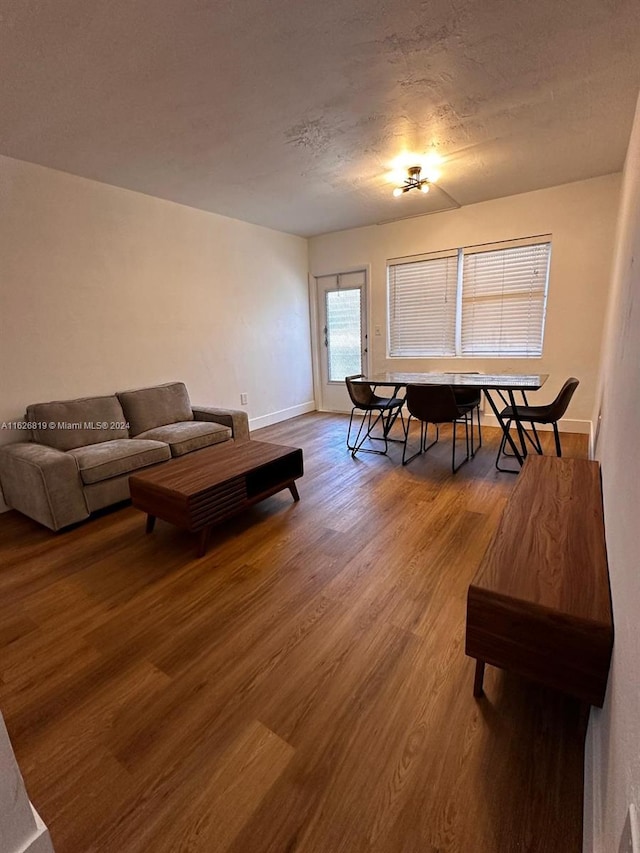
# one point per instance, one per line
(82, 452)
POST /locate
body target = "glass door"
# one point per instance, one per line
(342, 335)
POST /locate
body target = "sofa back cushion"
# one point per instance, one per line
(148, 408)
(67, 424)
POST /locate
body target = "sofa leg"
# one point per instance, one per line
(151, 523)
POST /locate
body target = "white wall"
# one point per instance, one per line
(612, 766)
(581, 218)
(103, 289)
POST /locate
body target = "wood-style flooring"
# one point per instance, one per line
(303, 687)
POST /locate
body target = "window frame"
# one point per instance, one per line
(461, 252)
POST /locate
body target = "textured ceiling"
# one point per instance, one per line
(289, 113)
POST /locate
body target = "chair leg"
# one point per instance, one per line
(453, 453)
(537, 445)
(367, 426)
(422, 446)
(356, 444)
(474, 449)
(468, 437)
(556, 435)
(379, 419)
(534, 442)
(453, 449)
(406, 461)
(389, 420)
(503, 442)
(402, 423)
(479, 427)
(385, 417)
(503, 451)
(349, 447)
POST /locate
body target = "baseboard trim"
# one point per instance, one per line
(592, 442)
(565, 425)
(282, 415)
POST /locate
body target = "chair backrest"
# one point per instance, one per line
(561, 403)
(361, 395)
(434, 404)
(467, 396)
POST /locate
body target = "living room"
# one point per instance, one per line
(107, 288)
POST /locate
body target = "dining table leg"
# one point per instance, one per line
(391, 419)
(520, 428)
(518, 453)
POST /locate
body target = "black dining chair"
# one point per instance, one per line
(385, 409)
(532, 415)
(470, 397)
(435, 404)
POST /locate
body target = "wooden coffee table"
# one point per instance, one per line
(198, 490)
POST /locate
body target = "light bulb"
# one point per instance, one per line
(397, 191)
(424, 187)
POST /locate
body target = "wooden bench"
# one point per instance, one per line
(540, 603)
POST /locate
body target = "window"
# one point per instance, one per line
(475, 301)
(342, 333)
(422, 306)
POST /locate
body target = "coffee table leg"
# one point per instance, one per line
(151, 523)
(479, 678)
(203, 541)
(294, 491)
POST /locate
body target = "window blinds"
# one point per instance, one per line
(422, 307)
(478, 301)
(503, 301)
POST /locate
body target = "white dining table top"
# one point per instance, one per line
(498, 381)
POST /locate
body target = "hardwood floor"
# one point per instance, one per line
(303, 687)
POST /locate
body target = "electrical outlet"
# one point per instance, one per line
(243, 399)
(378, 331)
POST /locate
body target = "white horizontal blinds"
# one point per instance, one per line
(422, 306)
(503, 300)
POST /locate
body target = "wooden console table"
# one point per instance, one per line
(198, 490)
(540, 602)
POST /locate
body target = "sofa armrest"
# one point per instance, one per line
(43, 483)
(235, 419)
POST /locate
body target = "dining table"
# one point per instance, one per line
(502, 386)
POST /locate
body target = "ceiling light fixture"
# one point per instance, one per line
(413, 181)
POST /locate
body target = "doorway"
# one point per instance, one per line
(342, 335)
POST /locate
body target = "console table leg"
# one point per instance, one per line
(294, 491)
(151, 523)
(479, 678)
(203, 541)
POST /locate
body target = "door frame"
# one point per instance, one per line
(317, 340)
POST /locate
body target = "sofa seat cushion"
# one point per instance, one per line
(98, 462)
(187, 436)
(148, 408)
